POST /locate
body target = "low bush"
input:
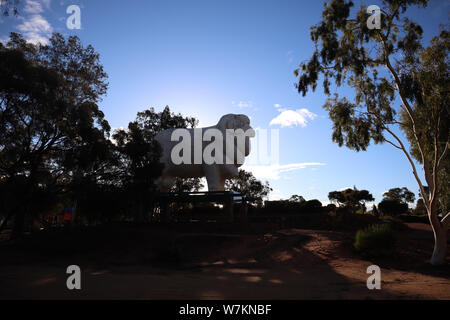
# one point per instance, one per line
(293, 207)
(392, 207)
(423, 218)
(375, 240)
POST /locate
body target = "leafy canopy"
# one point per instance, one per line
(400, 195)
(349, 53)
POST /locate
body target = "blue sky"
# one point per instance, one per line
(209, 58)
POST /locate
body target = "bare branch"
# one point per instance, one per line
(443, 155)
(410, 112)
(402, 147)
(388, 141)
(446, 220)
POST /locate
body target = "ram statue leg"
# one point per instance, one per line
(214, 178)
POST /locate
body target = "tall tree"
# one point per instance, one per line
(50, 123)
(381, 64)
(428, 79)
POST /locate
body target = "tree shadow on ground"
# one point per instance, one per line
(159, 263)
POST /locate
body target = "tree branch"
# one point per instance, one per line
(416, 176)
(396, 146)
(443, 155)
(446, 220)
(410, 113)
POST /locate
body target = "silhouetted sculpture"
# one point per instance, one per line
(214, 152)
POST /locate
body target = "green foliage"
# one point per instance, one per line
(380, 65)
(297, 198)
(139, 157)
(293, 207)
(54, 141)
(51, 129)
(430, 75)
(187, 185)
(249, 186)
(392, 207)
(400, 195)
(311, 206)
(395, 201)
(348, 53)
(351, 198)
(375, 240)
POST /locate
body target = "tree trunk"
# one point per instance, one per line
(440, 245)
(440, 237)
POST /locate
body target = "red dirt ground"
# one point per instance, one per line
(287, 264)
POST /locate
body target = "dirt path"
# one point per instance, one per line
(291, 264)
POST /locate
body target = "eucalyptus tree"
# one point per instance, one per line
(399, 86)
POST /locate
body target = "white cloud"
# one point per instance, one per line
(274, 171)
(36, 29)
(243, 104)
(33, 7)
(4, 40)
(276, 194)
(289, 118)
(290, 56)
(47, 3)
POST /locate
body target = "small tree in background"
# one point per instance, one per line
(297, 198)
(353, 199)
(400, 195)
(249, 186)
(395, 201)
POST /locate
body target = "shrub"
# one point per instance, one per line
(392, 207)
(293, 207)
(375, 240)
(422, 218)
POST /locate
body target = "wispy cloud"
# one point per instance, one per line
(274, 171)
(33, 7)
(35, 28)
(242, 104)
(290, 56)
(47, 3)
(276, 194)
